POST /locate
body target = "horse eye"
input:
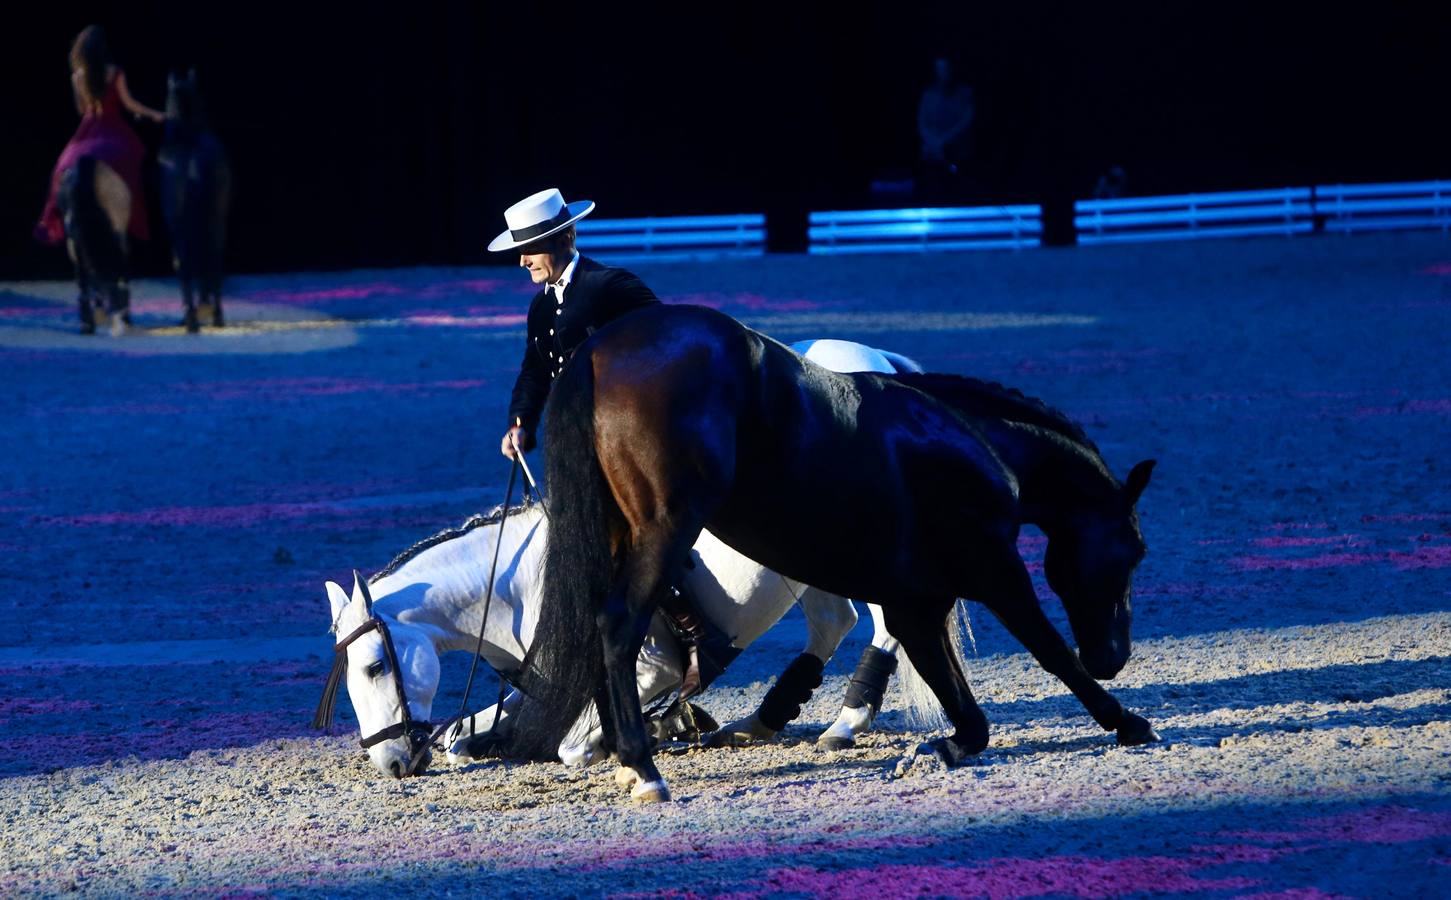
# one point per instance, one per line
(375, 669)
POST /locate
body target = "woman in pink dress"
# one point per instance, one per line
(103, 141)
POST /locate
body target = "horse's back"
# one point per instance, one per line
(798, 462)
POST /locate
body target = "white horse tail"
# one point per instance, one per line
(916, 699)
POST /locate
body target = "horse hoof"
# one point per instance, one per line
(650, 792)
(832, 742)
(718, 739)
(1135, 731)
(626, 776)
(951, 752)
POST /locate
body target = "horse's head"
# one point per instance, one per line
(1090, 566)
(183, 98)
(388, 662)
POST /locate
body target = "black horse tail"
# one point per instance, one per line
(568, 668)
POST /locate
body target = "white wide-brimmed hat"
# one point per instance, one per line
(538, 216)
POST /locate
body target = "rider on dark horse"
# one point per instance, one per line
(103, 137)
(577, 297)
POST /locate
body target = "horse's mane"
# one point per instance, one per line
(478, 520)
(988, 398)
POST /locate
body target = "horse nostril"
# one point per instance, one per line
(396, 769)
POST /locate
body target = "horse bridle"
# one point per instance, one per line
(420, 738)
(407, 725)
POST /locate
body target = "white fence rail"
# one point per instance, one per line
(927, 229)
(665, 238)
(1191, 216)
(1347, 208)
(1341, 208)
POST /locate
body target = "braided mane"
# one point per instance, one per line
(990, 399)
(478, 520)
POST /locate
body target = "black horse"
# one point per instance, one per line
(95, 204)
(196, 192)
(678, 418)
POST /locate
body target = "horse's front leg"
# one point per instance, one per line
(866, 688)
(922, 629)
(1010, 596)
(623, 622)
(468, 740)
(829, 618)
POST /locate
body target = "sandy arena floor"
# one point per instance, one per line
(172, 505)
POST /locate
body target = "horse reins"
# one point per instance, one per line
(421, 733)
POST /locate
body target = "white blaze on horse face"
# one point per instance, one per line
(372, 689)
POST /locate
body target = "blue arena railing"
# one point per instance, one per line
(1190, 216)
(925, 229)
(1347, 208)
(665, 238)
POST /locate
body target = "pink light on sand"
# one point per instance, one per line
(747, 300)
(1378, 825)
(322, 386)
(1008, 879)
(1421, 558)
(1440, 406)
(452, 321)
(34, 312)
(368, 290)
(1338, 540)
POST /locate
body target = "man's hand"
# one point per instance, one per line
(515, 437)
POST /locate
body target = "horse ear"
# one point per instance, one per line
(360, 587)
(170, 80)
(1138, 480)
(191, 76)
(337, 599)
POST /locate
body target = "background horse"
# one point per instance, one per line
(432, 599)
(196, 192)
(678, 418)
(95, 205)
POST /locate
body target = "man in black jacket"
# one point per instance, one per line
(579, 295)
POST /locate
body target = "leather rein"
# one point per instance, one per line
(421, 733)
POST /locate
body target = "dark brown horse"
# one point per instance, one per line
(679, 418)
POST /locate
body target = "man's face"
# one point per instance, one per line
(543, 263)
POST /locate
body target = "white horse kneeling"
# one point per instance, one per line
(431, 601)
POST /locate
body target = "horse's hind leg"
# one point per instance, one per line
(864, 691)
(828, 620)
(1009, 594)
(112, 253)
(922, 629)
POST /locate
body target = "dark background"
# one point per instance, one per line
(389, 134)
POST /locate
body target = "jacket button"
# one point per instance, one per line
(559, 312)
(551, 331)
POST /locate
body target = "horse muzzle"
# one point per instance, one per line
(1104, 662)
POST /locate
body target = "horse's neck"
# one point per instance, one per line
(444, 589)
(1057, 477)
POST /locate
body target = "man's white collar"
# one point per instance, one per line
(568, 274)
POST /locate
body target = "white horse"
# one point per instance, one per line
(432, 600)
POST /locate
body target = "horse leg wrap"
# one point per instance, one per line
(783, 701)
(869, 681)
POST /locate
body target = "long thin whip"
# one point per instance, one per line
(484, 624)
